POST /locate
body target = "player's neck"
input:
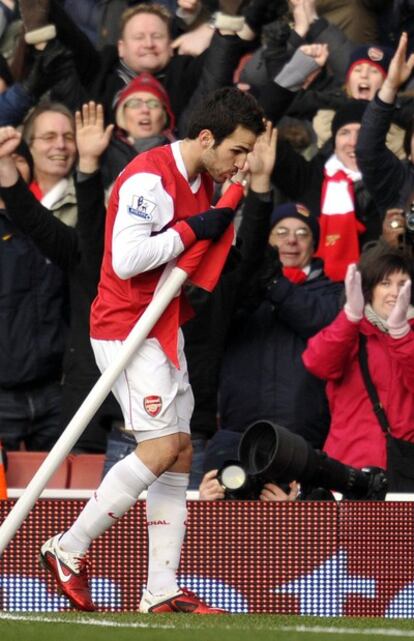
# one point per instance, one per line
(191, 154)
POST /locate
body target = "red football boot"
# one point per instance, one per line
(70, 572)
(182, 601)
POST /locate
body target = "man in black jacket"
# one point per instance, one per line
(32, 331)
(285, 302)
(76, 250)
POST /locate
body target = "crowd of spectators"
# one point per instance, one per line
(86, 85)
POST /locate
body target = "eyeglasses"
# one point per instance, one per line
(137, 103)
(52, 137)
(283, 232)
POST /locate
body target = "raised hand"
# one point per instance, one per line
(397, 321)
(399, 71)
(318, 51)
(354, 306)
(261, 160)
(9, 141)
(92, 138)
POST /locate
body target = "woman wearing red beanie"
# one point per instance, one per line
(144, 119)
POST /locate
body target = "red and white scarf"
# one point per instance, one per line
(339, 227)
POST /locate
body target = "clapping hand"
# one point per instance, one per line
(354, 306)
(397, 321)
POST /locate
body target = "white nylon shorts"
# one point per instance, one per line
(156, 399)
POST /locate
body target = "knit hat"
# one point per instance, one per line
(351, 112)
(299, 211)
(376, 55)
(144, 82)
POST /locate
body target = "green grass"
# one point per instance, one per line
(185, 627)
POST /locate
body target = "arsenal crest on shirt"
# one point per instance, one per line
(152, 405)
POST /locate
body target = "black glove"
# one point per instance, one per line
(36, 82)
(258, 285)
(260, 12)
(210, 224)
(271, 269)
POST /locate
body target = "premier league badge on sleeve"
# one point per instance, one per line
(141, 207)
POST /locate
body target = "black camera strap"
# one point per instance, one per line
(371, 389)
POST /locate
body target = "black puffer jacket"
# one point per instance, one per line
(32, 328)
(262, 375)
(389, 180)
(78, 251)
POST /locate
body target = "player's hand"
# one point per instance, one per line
(211, 224)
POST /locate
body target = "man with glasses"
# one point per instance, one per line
(50, 133)
(279, 307)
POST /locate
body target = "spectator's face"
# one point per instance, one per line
(294, 240)
(53, 145)
(225, 160)
(145, 44)
(364, 81)
(144, 115)
(345, 144)
(384, 295)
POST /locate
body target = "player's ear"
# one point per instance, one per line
(206, 138)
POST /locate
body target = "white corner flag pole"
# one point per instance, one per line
(164, 295)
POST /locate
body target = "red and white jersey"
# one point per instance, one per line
(150, 196)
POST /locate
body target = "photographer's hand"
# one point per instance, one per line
(397, 321)
(210, 489)
(393, 227)
(354, 306)
(272, 492)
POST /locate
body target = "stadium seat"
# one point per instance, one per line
(86, 471)
(21, 467)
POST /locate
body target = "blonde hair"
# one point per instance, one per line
(155, 9)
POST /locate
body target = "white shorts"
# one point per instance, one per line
(156, 399)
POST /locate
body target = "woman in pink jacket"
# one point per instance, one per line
(378, 293)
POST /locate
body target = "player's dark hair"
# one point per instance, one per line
(223, 111)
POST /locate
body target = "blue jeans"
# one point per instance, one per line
(120, 444)
(32, 416)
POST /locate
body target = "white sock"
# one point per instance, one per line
(166, 516)
(117, 492)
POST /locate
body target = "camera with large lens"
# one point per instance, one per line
(408, 237)
(269, 453)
